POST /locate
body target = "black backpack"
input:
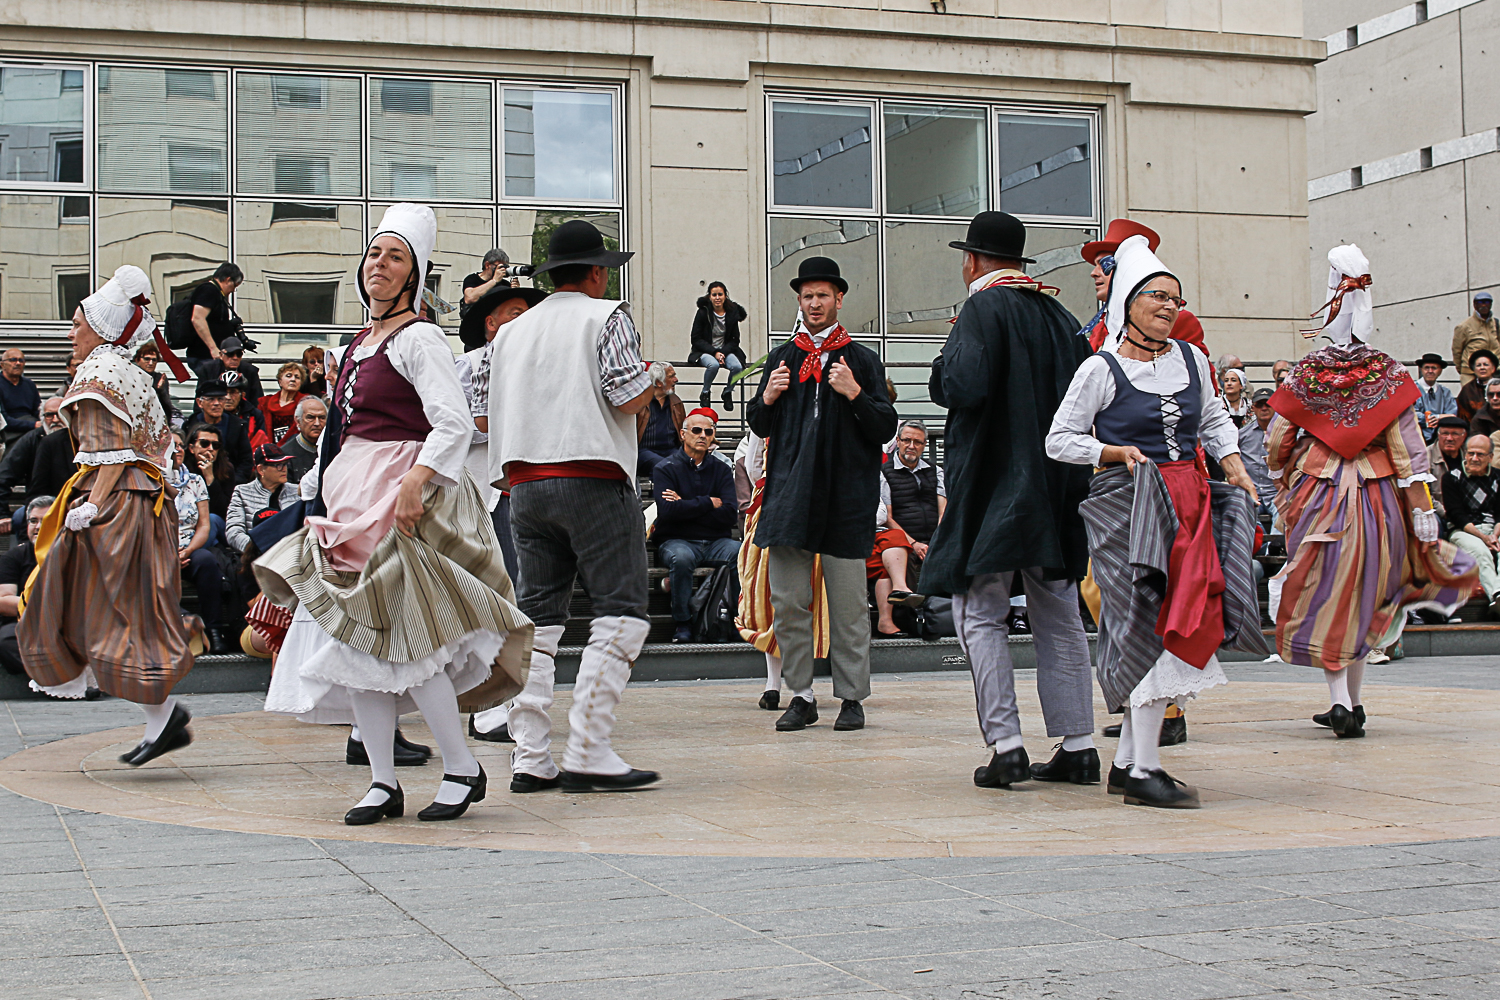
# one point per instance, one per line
(714, 605)
(179, 325)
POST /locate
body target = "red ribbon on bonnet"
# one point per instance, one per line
(179, 370)
(1336, 303)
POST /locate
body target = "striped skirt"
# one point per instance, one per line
(1353, 567)
(756, 619)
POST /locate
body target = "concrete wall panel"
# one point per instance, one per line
(1479, 32)
(682, 137)
(1407, 330)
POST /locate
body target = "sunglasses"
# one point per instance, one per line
(1107, 263)
(214, 445)
(701, 430)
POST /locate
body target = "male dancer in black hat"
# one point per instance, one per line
(1011, 509)
(568, 459)
(823, 409)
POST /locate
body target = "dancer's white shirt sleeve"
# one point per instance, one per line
(1071, 439)
(422, 355)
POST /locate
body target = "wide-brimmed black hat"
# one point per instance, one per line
(471, 327)
(578, 242)
(1430, 359)
(996, 234)
(819, 269)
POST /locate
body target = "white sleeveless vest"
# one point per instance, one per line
(545, 402)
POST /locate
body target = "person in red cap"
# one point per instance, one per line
(261, 497)
(1100, 253)
(695, 513)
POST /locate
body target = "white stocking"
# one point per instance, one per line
(1354, 675)
(773, 672)
(157, 717)
(1338, 687)
(492, 719)
(603, 672)
(530, 724)
(439, 704)
(1125, 752)
(1145, 731)
(375, 713)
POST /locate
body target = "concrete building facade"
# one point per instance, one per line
(1404, 159)
(722, 140)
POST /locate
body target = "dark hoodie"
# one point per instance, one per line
(703, 330)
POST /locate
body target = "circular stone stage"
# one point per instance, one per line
(902, 787)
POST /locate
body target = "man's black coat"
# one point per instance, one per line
(822, 455)
(1002, 374)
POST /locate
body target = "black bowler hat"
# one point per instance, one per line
(1430, 359)
(996, 234)
(819, 269)
(578, 242)
(471, 327)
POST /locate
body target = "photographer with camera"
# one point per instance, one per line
(210, 315)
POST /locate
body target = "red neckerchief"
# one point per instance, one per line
(1015, 281)
(812, 365)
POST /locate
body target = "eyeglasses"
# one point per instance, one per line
(1161, 298)
(701, 430)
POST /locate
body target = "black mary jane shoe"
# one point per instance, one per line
(1004, 769)
(800, 714)
(478, 784)
(1117, 778)
(421, 748)
(851, 717)
(392, 808)
(1346, 724)
(1078, 767)
(1160, 789)
(1323, 718)
(401, 754)
(175, 736)
(770, 700)
(521, 782)
(573, 781)
(500, 735)
(1173, 732)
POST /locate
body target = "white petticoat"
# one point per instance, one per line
(314, 671)
(1175, 678)
(75, 689)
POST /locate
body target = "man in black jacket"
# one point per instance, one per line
(20, 458)
(824, 413)
(695, 511)
(1002, 374)
(236, 440)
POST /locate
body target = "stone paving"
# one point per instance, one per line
(98, 907)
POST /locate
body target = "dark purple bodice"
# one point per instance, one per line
(378, 403)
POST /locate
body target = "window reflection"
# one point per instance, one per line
(42, 258)
(525, 234)
(1058, 263)
(41, 124)
(1045, 165)
(853, 243)
(279, 250)
(177, 243)
(924, 289)
(935, 160)
(821, 155)
(559, 144)
(430, 139)
(163, 130)
(297, 134)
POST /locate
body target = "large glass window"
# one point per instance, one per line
(44, 258)
(1046, 165)
(41, 125)
(936, 160)
(298, 134)
(524, 234)
(851, 242)
(430, 139)
(291, 260)
(559, 145)
(822, 155)
(163, 130)
(177, 243)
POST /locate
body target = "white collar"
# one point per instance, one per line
(983, 279)
(921, 464)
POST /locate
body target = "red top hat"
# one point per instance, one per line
(1119, 231)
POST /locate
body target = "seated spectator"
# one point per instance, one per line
(695, 513)
(317, 377)
(1486, 419)
(232, 359)
(20, 402)
(206, 457)
(1279, 369)
(236, 402)
(302, 449)
(234, 439)
(1472, 497)
(53, 465)
(261, 497)
(1445, 455)
(1236, 386)
(193, 552)
(280, 407)
(20, 458)
(15, 567)
(887, 564)
(658, 425)
(1253, 450)
(1436, 401)
(716, 342)
(71, 369)
(1470, 398)
(918, 492)
(147, 358)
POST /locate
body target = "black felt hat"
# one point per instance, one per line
(996, 234)
(578, 242)
(1430, 359)
(471, 327)
(819, 269)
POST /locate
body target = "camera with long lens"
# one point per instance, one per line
(519, 270)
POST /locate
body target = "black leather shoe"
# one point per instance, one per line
(1004, 769)
(1322, 718)
(219, 644)
(522, 782)
(174, 737)
(392, 808)
(478, 785)
(770, 700)
(727, 399)
(1345, 723)
(800, 714)
(1173, 732)
(92, 694)
(355, 753)
(851, 716)
(421, 748)
(573, 781)
(705, 398)
(1081, 767)
(1160, 789)
(1117, 778)
(500, 735)
(1113, 732)
(1018, 624)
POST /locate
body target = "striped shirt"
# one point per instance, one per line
(622, 373)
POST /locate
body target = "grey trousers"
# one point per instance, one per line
(790, 576)
(1063, 677)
